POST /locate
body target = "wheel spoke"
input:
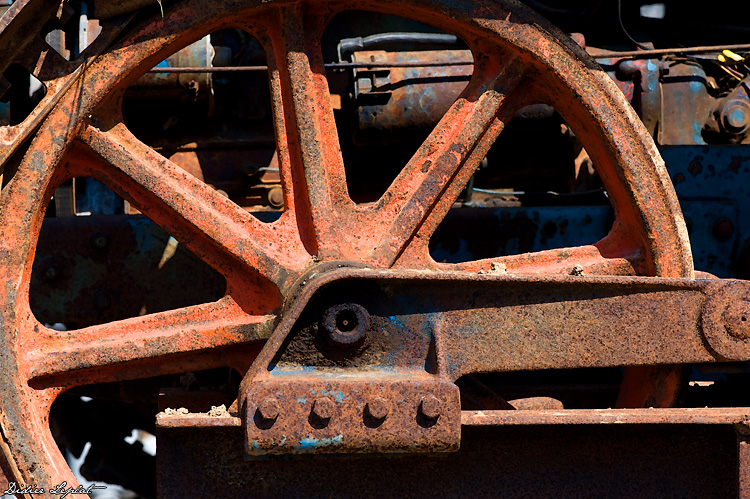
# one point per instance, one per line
(306, 131)
(209, 223)
(112, 349)
(442, 165)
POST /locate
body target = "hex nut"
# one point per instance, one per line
(735, 116)
(377, 408)
(430, 407)
(323, 408)
(269, 408)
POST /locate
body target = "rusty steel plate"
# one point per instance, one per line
(331, 416)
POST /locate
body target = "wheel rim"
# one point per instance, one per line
(521, 57)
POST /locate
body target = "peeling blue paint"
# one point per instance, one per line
(311, 443)
(292, 371)
(697, 132)
(396, 321)
(337, 395)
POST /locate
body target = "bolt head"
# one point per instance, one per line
(99, 241)
(269, 408)
(723, 229)
(378, 408)
(346, 324)
(323, 408)
(737, 319)
(50, 273)
(276, 197)
(430, 407)
(736, 116)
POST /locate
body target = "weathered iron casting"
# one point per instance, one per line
(353, 387)
(419, 332)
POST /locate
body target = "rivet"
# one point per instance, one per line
(99, 241)
(50, 272)
(723, 229)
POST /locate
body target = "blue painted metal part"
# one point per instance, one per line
(514, 230)
(95, 198)
(4, 114)
(713, 184)
(713, 205)
(712, 254)
(711, 181)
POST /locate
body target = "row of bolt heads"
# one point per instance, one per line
(376, 408)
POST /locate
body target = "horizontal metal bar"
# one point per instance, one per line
(506, 322)
(524, 326)
(597, 53)
(648, 54)
(330, 65)
(703, 416)
(196, 420)
(213, 69)
(386, 65)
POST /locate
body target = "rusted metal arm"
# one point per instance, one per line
(491, 323)
(357, 346)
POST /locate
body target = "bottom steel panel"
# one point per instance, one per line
(675, 460)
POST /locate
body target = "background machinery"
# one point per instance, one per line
(311, 244)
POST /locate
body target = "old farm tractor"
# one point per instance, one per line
(374, 248)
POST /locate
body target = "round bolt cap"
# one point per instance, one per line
(346, 324)
(269, 408)
(735, 116)
(737, 319)
(378, 408)
(50, 273)
(276, 197)
(723, 229)
(99, 241)
(323, 408)
(430, 407)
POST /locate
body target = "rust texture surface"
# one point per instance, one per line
(368, 415)
(446, 319)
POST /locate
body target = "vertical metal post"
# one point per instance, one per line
(743, 459)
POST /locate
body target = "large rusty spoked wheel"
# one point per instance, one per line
(519, 59)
